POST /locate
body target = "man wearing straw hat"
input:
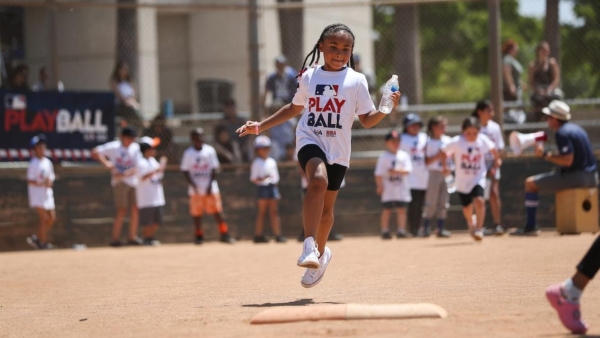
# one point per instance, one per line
(575, 159)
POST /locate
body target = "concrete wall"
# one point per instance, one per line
(174, 58)
(86, 45)
(219, 50)
(85, 207)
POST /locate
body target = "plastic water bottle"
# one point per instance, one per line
(387, 104)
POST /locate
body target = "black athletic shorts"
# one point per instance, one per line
(394, 204)
(467, 199)
(335, 172)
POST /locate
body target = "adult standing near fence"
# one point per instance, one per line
(544, 78)
(511, 71)
(575, 158)
(123, 87)
(282, 85)
(121, 157)
(484, 111)
(230, 122)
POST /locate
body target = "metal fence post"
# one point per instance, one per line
(254, 65)
(495, 59)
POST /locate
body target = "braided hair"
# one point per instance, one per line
(315, 54)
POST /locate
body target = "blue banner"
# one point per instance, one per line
(73, 122)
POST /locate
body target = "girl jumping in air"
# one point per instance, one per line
(468, 150)
(331, 96)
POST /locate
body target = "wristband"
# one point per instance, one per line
(256, 131)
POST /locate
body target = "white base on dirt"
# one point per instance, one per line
(348, 312)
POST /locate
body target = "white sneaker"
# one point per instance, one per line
(312, 277)
(310, 255)
(478, 235)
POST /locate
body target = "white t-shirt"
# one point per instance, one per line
(415, 147)
(264, 168)
(200, 164)
(470, 161)
(122, 158)
(40, 170)
(331, 99)
(434, 146)
(149, 192)
(494, 133)
(395, 187)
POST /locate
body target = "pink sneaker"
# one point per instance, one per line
(568, 312)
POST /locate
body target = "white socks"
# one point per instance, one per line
(571, 292)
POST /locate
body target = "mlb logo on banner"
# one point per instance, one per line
(326, 90)
(15, 101)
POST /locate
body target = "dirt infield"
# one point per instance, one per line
(490, 289)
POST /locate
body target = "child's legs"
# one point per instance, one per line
(415, 210)
(432, 195)
(326, 221)
(385, 219)
(468, 213)
(495, 204)
(312, 206)
(401, 216)
(443, 200)
(196, 209)
(479, 204)
(263, 204)
(274, 213)
(589, 266)
(42, 215)
(118, 223)
(134, 222)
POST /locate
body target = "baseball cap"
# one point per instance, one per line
(197, 132)
(152, 142)
(559, 110)
(411, 119)
(262, 141)
(128, 131)
(392, 134)
(281, 59)
(41, 138)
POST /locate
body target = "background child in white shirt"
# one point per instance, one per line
(391, 171)
(199, 166)
(437, 197)
(468, 151)
(150, 195)
(330, 96)
(413, 141)
(40, 178)
(120, 157)
(265, 175)
(484, 111)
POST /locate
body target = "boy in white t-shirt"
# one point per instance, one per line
(414, 142)
(468, 151)
(150, 195)
(331, 96)
(40, 178)
(199, 165)
(120, 157)
(391, 171)
(265, 175)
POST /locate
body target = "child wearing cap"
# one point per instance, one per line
(413, 141)
(391, 172)
(265, 175)
(120, 157)
(199, 165)
(149, 192)
(40, 178)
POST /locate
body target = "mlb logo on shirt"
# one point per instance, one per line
(326, 90)
(16, 102)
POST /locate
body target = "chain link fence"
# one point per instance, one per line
(179, 65)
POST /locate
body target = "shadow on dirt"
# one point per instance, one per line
(298, 302)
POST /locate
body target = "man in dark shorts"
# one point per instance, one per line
(575, 158)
